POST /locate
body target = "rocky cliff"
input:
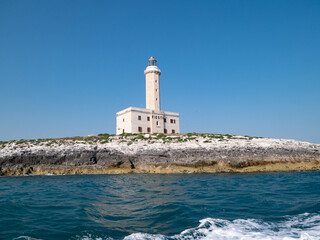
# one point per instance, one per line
(156, 153)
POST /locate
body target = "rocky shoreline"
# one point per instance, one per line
(183, 153)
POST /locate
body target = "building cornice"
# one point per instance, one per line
(147, 111)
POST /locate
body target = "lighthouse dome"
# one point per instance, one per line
(152, 61)
(152, 66)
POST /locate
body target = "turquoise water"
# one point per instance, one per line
(166, 206)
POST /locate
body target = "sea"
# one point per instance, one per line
(161, 206)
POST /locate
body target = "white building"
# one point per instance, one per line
(150, 119)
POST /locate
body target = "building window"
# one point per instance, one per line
(139, 117)
(156, 89)
(148, 129)
(171, 120)
(156, 99)
(165, 131)
(174, 121)
(122, 120)
(122, 130)
(139, 129)
(148, 118)
(157, 123)
(165, 120)
(173, 131)
(156, 81)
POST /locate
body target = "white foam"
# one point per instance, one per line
(303, 227)
(26, 238)
(92, 237)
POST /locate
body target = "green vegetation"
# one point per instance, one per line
(49, 143)
(125, 135)
(139, 137)
(160, 135)
(21, 141)
(130, 139)
(3, 144)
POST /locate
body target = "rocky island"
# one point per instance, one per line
(156, 153)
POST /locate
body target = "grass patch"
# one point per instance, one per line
(129, 138)
(161, 135)
(139, 137)
(22, 141)
(182, 140)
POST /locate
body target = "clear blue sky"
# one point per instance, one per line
(237, 67)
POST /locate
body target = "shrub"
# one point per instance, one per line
(191, 134)
(125, 135)
(104, 135)
(191, 138)
(182, 140)
(161, 135)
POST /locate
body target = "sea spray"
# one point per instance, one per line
(303, 227)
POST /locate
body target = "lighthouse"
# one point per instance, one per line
(152, 73)
(150, 119)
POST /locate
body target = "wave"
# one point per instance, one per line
(26, 238)
(304, 227)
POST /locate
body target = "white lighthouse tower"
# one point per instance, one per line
(152, 73)
(151, 119)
